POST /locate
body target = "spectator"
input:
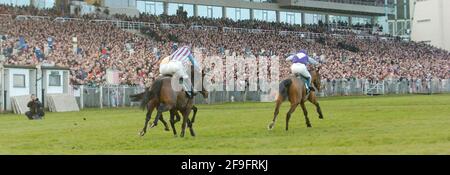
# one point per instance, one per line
(36, 109)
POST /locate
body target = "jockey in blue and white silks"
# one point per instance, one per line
(176, 63)
(300, 60)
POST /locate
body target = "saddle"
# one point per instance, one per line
(305, 81)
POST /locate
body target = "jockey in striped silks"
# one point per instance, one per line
(176, 63)
(300, 60)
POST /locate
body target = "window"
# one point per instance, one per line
(265, 15)
(314, 18)
(262, 1)
(360, 20)
(237, 14)
(54, 79)
(15, 2)
(173, 7)
(19, 80)
(45, 4)
(119, 4)
(209, 11)
(332, 19)
(150, 7)
(291, 17)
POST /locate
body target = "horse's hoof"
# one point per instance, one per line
(142, 133)
(270, 127)
(181, 135)
(166, 129)
(153, 125)
(309, 126)
(320, 117)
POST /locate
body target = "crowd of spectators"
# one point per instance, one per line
(91, 49)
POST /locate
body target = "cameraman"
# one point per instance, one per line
(36, 111)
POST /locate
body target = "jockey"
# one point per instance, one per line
(176, 64)
(300, 60)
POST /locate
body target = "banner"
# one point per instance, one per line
(112, 77)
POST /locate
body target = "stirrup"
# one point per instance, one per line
(190, 95)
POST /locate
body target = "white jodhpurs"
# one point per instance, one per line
(299, 68)
(173, 67)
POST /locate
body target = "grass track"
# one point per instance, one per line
(353, 125)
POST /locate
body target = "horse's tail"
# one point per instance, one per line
(137, 97)
(284, 88)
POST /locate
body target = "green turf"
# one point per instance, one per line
(360, 125)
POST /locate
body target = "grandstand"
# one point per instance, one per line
(345, 35)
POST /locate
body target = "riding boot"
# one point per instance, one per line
(189, 90)
(193, 91)
(308, 84)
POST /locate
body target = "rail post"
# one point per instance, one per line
(101, 97)
(82, 96)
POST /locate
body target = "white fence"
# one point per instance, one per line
(119, 96)
(366, 87)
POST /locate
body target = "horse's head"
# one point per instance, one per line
(204, 92)
(316, 80)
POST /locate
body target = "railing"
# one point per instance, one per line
(199, 27)
(241, 30)
(171, 26)
(366, 87)
(118, 96)
(62, 19)
(375, 89)
(5, 15)
(308, 35)
(26, 17)
(358, 2)
(355, 30)
(125, 25)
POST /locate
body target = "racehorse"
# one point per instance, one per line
(162, 97)
(293, 89)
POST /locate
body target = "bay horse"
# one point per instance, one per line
(294, 90)
(161, 96)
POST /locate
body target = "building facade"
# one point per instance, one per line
(385, 13)
(430, 22)
(288, 11)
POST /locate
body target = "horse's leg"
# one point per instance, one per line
(313, 99)
(161, 109)
(305, 113)
(275, 114)
(150, 109)
(194, 109)
(189, 122)
(166, 127)
(172, 121)
(178, 117)
(288, 115)
(185, 121)
(191, 129)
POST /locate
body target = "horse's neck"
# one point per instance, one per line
(183, 100)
